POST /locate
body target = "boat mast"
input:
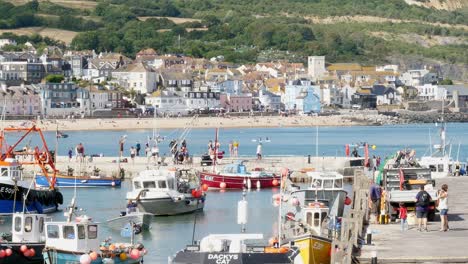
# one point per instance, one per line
(215, 150)
(442, 132)
(316, 141)
(56, 142)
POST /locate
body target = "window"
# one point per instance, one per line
(52, 231)
(18, 224)
(81, 232)
(28, 224)
(309, 219)
(4, 171)
(137, 185)
(338, 184)
(92, 231)
(316, 219)
(440, 167)
(41, 225)
(68, 232)
(162, 184)
(149, 184)
(328, 184)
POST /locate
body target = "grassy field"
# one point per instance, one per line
(177, 20)
(78, 4)
(58, 34)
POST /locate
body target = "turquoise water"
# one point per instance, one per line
(170, 234)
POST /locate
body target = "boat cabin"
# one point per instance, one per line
(326, 180)
(28, 227)
(442, 166)
(80, 235)
(236, 168)
(10, 169)
(229, 243)
(154, 180)
(315, 213)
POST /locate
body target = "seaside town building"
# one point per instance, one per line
(302, 96)
(136, 76)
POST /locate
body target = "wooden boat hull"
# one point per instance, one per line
(38, 201)
(314, 249)
(64, 181)
(141, 219)
(18, 257)
(214, 180)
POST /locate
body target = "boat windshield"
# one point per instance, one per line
(137, 185)
(3, 172)
(149, 184)
(162, 184)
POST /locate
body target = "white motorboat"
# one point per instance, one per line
(167, 192)
(141, 219)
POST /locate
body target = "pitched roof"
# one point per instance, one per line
(175, 75)
(345, 67)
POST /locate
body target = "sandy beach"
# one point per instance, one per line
(200, 122)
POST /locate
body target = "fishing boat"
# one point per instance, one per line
(236, 176)
(237, 248)
(77, 240)
(69, 181)
(140, 219)
(16, 192)
(167, 192)
(27, 239)
(440, 160)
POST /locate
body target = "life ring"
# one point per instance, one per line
(276, 250)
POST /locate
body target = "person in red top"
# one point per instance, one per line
(403, 217)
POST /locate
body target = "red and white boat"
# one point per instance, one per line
(236, 176)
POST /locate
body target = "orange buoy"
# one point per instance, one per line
(112, 247)
(275, 182)
(276, 250)
(205, 187)
(93, 255)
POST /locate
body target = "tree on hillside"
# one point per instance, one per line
(446, 82)
(54, 78)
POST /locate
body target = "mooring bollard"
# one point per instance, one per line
(308, 159)
(374, 257)
(369, 237)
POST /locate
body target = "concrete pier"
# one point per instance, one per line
(110, 166)
(394, 246)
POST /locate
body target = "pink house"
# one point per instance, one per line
(236, 103)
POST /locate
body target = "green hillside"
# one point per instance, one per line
(244, 30)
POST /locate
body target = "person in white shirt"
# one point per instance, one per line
(442, 195)
(259, 151)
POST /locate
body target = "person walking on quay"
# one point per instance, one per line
(423, 199)
(138, 148)
(235, 148)
(231, 150)
(375, 196)
(121, 146)
(79, 152)
(132, 154)
(155, 153)
(403, 217)
(70, 155)
(259, 151)
(442, 196)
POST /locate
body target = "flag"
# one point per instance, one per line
(402, 178)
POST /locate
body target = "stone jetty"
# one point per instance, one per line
(391, 245)
(110, 165)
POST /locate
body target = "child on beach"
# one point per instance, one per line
(403, 217)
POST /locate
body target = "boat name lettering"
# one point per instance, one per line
(318, 245)
(209, 178)
(222, 258)
(7, 190)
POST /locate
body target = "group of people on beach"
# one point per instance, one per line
(422, 201)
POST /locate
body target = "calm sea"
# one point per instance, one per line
(170, 234)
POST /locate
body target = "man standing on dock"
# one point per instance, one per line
(423, 199)
(375, 195)
(259, 151)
